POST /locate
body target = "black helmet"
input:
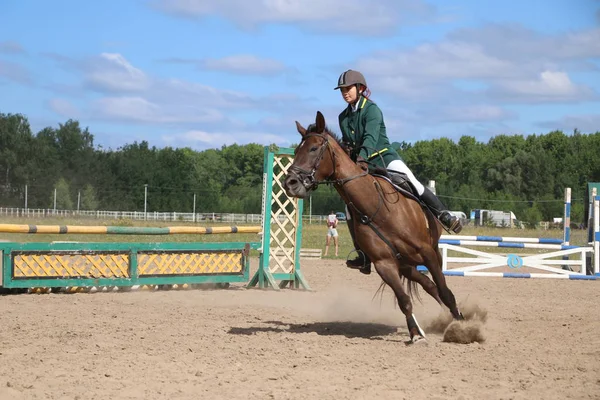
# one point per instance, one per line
(350, 78)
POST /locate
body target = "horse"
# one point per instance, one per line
(393, 228)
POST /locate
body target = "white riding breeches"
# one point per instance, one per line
(399, 166)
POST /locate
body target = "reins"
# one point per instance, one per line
(309, 180)
(311, 183)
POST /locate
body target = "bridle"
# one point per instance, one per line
(308, 177)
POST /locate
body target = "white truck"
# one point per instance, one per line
(504, 219)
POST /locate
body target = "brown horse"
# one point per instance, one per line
(396, 231)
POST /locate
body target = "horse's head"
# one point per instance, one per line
(312, 162)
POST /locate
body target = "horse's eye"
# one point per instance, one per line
(314, 148)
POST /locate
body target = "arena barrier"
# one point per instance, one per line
(103, 266)
(106, 266)
(585, 266)
(282, 226)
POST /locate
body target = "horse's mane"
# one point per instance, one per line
(313, 128)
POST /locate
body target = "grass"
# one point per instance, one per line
(313, 235)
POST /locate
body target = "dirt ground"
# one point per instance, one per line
(542, 341)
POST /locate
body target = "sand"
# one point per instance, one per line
(541, 341)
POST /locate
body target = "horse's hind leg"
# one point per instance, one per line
(426, 283)
(434, 264)
(388, 270)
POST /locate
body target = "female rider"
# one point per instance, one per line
(364, 133)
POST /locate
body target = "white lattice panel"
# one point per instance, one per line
(284, 220)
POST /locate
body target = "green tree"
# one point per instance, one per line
(15, 157)
(89, 200)
(532, 216)
(64, 200)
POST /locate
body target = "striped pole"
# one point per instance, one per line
(125, 230)
(509, 245)
(590, 220)
(567, 217)
(567, 223)
(455, 238)
(596, 240)
(522, 275)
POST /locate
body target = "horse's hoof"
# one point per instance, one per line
(418, 339)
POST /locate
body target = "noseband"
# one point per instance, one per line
(308, 177)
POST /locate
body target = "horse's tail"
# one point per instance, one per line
(380, 292)
(412, 289)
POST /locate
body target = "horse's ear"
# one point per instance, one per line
(300, 128)
(320, 122)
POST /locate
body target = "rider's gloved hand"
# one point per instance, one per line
(362, 163)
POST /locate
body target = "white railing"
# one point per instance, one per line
(149, 216)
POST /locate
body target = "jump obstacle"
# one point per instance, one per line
(555, 264)
(103, 266)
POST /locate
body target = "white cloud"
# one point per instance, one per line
(305, 114)
(470, 113)
(517, 42)
(10, 47)
(127, 108)
(128, 94)
(347, 16)
(14, 72)
(242, 64)
(505, 61)
(587, 123)
(182, 92)
(138, 109)
(111, 72)
(436, 61)
(114, 74)
(204, 139)
(246, 64)
(550, 86)
(195, 136)
(63, 107)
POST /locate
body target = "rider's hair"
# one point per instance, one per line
(366, 92)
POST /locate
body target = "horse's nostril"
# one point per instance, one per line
(293, 182)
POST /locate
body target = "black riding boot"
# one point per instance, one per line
(450, 221)
(362, 261)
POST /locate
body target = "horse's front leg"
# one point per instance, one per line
(388, 270)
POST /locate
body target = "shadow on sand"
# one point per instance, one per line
(348, 329)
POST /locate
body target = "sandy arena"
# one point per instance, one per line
(542, 341)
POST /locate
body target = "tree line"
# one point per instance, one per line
(523, 174)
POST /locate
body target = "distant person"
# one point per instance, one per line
(332, 223)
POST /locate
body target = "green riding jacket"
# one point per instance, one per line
(364, 131)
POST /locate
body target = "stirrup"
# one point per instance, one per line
(456, 226)
(361, 263)
(450, 221)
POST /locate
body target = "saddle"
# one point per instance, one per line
(399, 181)
(403, 185)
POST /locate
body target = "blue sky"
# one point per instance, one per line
(203, 73)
